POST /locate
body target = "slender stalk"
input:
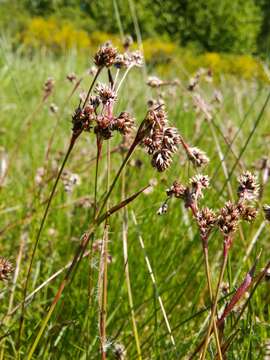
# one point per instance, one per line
(84, 244)
(99, 148)
(104, 255)
(91, 86)
(125, 253)
(80, 250)
(11, 299)
(204, 241)
(123, 78)
(207, 270)
(214, 307)
(153, 279)
(71, 145)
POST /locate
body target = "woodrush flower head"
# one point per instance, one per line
(198, 183)
(119, 351)
(70, 180)
(248, 188)
(171, 139)
(154, 82)
(228, 218)
(177, 189)
(122, 61)
(197, 156)
(48, 87)
(82, 119)
(6, 268)
(247, 213)
(106, 93)
(136, 58)
(103, 127)
(266, 210)
(124, 123)
(105, 56)
(206, 219)
(162, 159)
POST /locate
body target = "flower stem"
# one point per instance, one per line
(125, 253)
(209, 282)
(214, 307)
(71, 145)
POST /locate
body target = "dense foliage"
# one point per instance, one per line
(239, 26)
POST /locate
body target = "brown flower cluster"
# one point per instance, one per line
(6, 268)
(206, 219)
(162, 140)
(48, 88)
(197, 156)
(248, 188)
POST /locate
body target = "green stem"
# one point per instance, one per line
(91, 86)
(209, 282)
(125, 252)
(71, 145)
(103, 313)
(214, 307)
(83, 245)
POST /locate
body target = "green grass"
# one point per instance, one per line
(171, 241)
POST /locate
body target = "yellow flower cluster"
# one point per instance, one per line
(59, 36)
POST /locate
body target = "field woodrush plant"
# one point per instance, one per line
(97, 112)
(139, 321)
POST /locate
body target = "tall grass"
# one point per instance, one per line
(142, 315)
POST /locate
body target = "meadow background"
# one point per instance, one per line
(41, 39)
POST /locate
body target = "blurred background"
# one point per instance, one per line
(230, 36)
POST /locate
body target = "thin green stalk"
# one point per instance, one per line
(80, 250)
(99, 218)
(214, 308)
(209, 282)
(71, 145)
(125, 253)
(104, 255)
(204, 241)
(91, 86)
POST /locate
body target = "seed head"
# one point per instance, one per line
(154, 82)
(105, 56)
(171, 139)
(247, 213)
(124, 123)
(177, 189)
(136, 58)
(70, 180)
(82, 119)
(106, 93)
(162, 160)
(197, 156)
(198, 183)
(206, 219)
(103, 127)
(48, 87)
(6, 268)
(248, 188)
(119, 351)
(228, 218)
